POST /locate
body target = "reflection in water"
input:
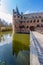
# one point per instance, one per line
(23, 58)
(1, 37)
(21, 51)
(19, 55)
(18, 46)
(6, 50)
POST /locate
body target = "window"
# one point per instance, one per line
(35, 16)
(18, 16)
(23, 26)
(37, 20)
(34, 21)
(30, 21)
(20, 26)
(41, 25)
(14, 16)
(39, 16)
(32, 16)
(42, 20)
(27, 27)
(21, 17)
(21, 22)
(24, 17)
(38, 25)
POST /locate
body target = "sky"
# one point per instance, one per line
(25, 6)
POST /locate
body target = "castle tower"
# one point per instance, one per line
(17, 11)
(15, 16)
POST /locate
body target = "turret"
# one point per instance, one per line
(17, 11)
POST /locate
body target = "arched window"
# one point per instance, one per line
(30, 21)
(41, 25)
(38, 25)
(35, 16)
(21, 22)
(34, 21)
(14, 16)
(41, 20)
(24, 17)
(27, 27)
(18, 16)
(39, 16)
(24, 21)
(23, 26)
(20, 26)
(37, 20)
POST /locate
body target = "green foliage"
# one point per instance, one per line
(32, 28)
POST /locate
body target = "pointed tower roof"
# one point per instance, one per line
(14, 11)
(17, 10)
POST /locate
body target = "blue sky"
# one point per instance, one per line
(23, 5)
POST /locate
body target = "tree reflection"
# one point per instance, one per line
(1, 37)
(21, 51)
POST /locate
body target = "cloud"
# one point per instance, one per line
(7, 17)
(2, 6)
(29, 11)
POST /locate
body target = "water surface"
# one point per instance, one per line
(6, 52)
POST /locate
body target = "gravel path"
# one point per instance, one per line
(36, 48)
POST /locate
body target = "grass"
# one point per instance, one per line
(21, 42)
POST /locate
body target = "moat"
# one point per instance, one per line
(9, 56)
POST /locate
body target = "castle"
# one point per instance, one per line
(23, 23)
